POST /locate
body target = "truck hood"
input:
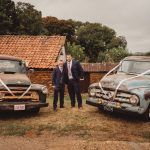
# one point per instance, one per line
(112, 81)
(15, 79)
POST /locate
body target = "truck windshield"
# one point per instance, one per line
(12, 66)
(134, 67)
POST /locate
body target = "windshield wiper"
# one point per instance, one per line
(9, 72)
(131, 73)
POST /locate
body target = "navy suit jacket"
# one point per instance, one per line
(76, 69)
(57, 77)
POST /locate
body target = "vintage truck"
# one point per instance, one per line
(17, 93)
(126, 88)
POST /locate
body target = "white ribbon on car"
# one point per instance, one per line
(120, 81)
(25, 91)
(145, 72)
(7, 88)
(106, 76)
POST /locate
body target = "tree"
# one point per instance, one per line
(59, 27)
(7, 17)
(76, 51)
(113, 55)
(94, 38)
(117, 42)
(76, 24)
(97, 38)
(147, 53)
(30, 19)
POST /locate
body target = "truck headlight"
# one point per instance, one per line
(92, 92)
(44, 90)
(134, 99)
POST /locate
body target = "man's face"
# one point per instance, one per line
(60, 63)
(69, 58)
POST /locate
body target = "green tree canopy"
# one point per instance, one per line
(117, 42)
(76, 51)
(7, 17)
(59, 27)
(97, 38)
(30, 19)
(113, 55)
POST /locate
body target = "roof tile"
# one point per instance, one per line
(38, 51)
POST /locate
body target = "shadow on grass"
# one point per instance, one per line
(66, 130)
(16, 114)
(132, 118)
(12, 129)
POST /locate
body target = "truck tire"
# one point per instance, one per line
(146, 115)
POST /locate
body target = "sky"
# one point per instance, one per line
(129, 18)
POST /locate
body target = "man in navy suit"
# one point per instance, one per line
(58, 85)
(73, 73)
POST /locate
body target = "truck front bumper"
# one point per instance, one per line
(25, 106)
(115, 106)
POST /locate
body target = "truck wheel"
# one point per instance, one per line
(146, 115)
(100, 109)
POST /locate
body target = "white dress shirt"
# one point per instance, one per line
(61, 69)
(69, 65)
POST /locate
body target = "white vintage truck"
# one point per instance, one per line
(126, 88)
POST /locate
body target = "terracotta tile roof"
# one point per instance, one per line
(97, 67)
(38, 51)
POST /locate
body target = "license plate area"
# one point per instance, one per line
(19, 107)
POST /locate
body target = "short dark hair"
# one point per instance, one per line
(68, 53)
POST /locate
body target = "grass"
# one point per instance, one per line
(63, 130)
(145, 135)
(19, 129)
(89, 124)
(67, 99)
(14, 129)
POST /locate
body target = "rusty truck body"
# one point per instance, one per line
(16, 90)
(127, 90)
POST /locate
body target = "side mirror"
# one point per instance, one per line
(27, 64)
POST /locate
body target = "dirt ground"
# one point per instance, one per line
(73, 129)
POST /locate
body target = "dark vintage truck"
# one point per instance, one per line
(16, 90)
(126, 88)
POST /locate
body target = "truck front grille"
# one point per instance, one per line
(109, 95)
(29, 96)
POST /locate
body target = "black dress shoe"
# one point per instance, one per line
(62, 107)
(54, 109)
